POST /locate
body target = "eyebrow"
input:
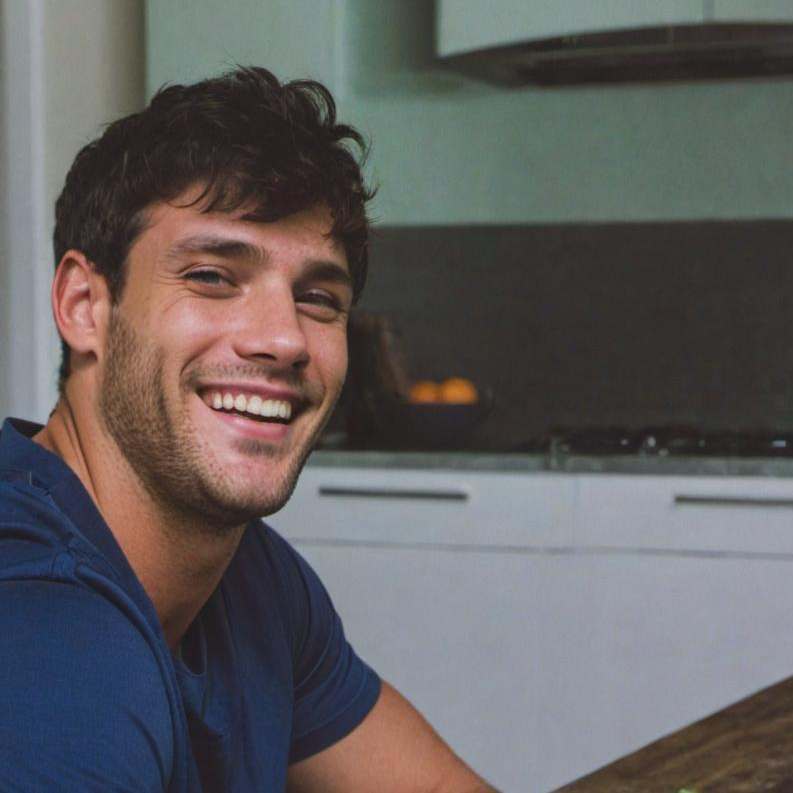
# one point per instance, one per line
(217, 246)
(328, 271)
(324, 270)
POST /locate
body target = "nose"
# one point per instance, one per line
(269, 330)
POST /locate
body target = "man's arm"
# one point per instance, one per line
(393, 750)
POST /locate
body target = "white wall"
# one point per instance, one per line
(67, 68)
(19, 183)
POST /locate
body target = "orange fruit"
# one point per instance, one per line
(459, 390)
(425, 391)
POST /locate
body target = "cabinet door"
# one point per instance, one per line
(719, 514)
(430, 507)
(755, 11)
(469, 638)
(538, 667)
(670, 640)
(465, 25)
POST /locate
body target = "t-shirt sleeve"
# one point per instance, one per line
(334, 689)
(82, 702)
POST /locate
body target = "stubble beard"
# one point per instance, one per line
(165, 454)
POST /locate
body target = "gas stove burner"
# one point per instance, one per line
(671, 441)
(596, 441)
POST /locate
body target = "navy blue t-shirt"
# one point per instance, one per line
(91, 698)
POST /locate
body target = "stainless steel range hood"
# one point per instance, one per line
(524, 42)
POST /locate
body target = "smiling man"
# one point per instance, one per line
(156, 635)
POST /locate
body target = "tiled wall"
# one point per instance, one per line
(598, 325)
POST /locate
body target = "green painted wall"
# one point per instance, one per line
(447, 150)
(190, 39)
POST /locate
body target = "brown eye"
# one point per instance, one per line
(211, 277)
(322, 299)
(323, 306)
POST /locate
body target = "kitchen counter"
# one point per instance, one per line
(465, 461)
(651, 465)
(741, 749)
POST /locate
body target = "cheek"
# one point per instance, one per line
(330, 355)
(186, 331)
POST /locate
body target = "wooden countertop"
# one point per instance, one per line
(747, 747)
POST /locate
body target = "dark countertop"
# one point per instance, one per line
(654, 465)
(745, 748)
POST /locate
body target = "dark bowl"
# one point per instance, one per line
(436, 425)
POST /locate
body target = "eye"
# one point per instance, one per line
(323, 305)
(209, 277)
(322, 298)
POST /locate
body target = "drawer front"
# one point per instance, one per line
(460, 508)
(740, 515)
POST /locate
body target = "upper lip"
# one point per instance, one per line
(255, 389)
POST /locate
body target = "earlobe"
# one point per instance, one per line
(80, 303)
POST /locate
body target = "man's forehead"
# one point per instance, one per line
(185, 229)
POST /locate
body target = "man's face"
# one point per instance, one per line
(221, 319)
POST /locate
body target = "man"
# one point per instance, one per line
(156, 635)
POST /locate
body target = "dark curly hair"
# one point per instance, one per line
(247, 139)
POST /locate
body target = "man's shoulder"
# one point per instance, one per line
(66, 646)
(38, 540)
(23, 498)
(58, 592)
(82, 690)
(33, 532)
(64, 620)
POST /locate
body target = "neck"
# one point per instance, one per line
(179, 559)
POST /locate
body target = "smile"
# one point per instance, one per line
(251, 406)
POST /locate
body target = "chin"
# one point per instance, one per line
(261, 491)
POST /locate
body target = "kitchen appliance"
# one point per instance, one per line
(666, 442)
(521, 42)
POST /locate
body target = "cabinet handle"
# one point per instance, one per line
(373, 492)
(734, 501)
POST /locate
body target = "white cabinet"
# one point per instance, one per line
(684, 513)
(466, 636)
(547, 624)
(411, 506)
(666, 640)
(753, 10)
(465, 25)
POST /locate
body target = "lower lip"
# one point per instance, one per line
(261, 430)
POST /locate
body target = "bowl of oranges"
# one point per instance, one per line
(442, 414)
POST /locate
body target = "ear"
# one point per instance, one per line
(80, 304)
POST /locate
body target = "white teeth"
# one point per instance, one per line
(255, 405)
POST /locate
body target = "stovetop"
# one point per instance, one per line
(663, 441)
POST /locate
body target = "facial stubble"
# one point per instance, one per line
(163, 447)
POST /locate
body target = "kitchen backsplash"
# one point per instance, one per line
(630, 325)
